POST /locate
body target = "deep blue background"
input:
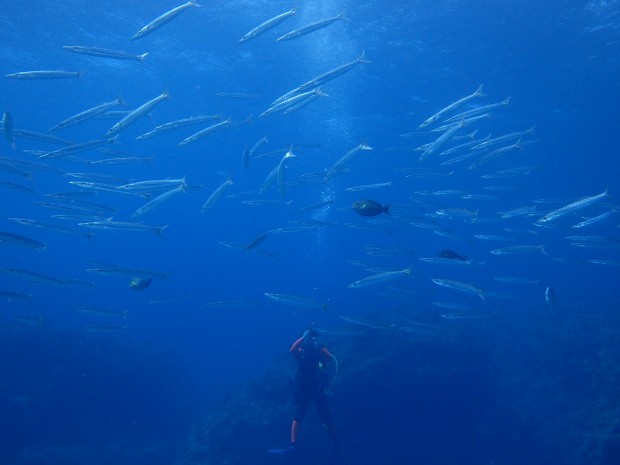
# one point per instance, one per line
(558, 62)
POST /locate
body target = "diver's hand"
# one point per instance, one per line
(306, 334)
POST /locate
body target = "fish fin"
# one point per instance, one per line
(479, 92)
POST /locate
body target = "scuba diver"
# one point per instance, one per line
(312, 382)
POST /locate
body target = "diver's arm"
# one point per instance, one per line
(296, 345)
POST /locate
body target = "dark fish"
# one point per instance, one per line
(138, 284)
(369, 208)
(447, 253)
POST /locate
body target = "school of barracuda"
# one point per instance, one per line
(454, 145)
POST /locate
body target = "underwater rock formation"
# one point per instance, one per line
(514, 389)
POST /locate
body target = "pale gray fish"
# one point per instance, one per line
(122, 226)
(103, 311)
(104, 52)
(271, 177)
(215, 196)
(180, 123)
(163, 19)
(44, 74)
(342, 161)
(87, 114)
(521, 211)
(281, 174)
(265, 26)
(509, 172)
(459, 286)
(303, 102)
(480, 109)
(464, 121)
(121, 161)
(33, 276)
(267, 202)
(364, 187)
(362, 322)
(7, 128)
(514, 135)
(236, 95)
(296, 301)
(451, 305)
(379, 278)
(605, 262)
(124, 271)
(290, 101)
(488, 157)
(452, 106)
(519, 249)
(257, 146)
(466, 145)
(157, 201)
(573, 206)
(17, 187)
(595, 219)
(98, 186)
(466, 316)
(41, 137)
(77, 148)
(231, 304)
(516, 280)
(10, 296)
(213, 129)
(315, 206)
(491, 237)
(153, 185)
(49, 226)
(323, 78)
(315, 26)
(23, 241)
(444, 261)
(134, 115)
(441, 140)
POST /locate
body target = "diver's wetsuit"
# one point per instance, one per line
(312, 380)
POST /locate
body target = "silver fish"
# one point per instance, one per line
(163, 19)
(269, 24)
(574, 206)
(104, 52)
(215, 196)
(44, 74)
(296, 301)
(379, 278)
(315, 26)
(452, 106)
(87, 114)
(459, 286)
(135, 114)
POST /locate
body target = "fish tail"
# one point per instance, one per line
(544, 250)
(386, 209)
(159, 231)
(141, 57)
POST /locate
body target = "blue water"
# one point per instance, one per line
(67, 386)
